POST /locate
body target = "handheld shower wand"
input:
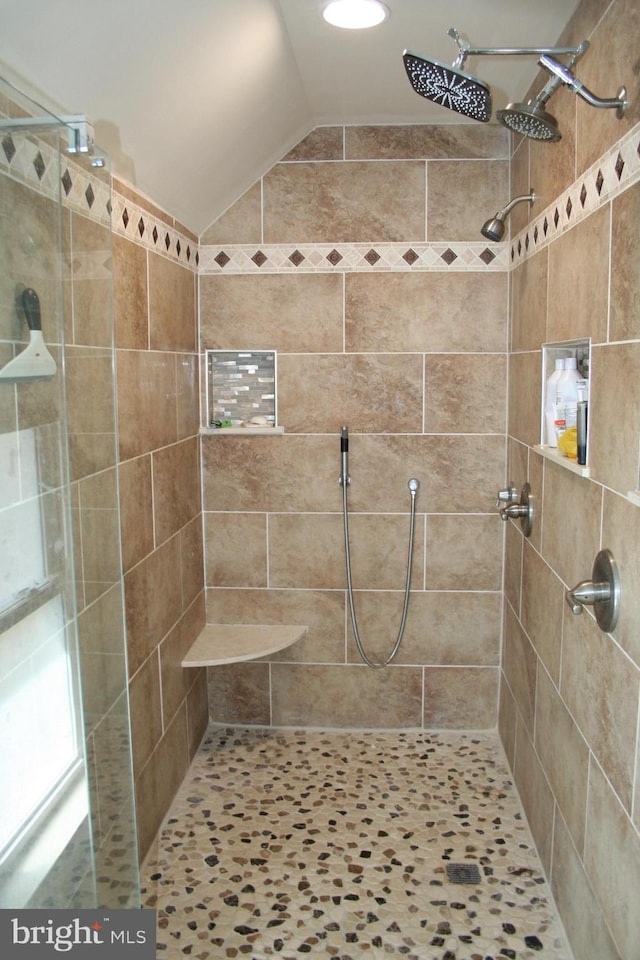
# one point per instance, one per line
(344, 479)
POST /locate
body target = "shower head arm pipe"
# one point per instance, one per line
(466, 50)
(563, 75)
(504, 213)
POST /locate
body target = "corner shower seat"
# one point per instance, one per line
(232, 642)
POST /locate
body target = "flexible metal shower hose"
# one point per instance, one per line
(407, 591)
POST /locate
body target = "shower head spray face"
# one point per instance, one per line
(530, 120)
(449, 87)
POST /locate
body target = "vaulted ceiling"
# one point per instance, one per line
(195, 99)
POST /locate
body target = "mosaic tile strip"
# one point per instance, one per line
(352, 257)
(609, 176)
(34, 162)
(136, 224)
(284, 843)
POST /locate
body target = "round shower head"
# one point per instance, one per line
(530, 120)
(493, 229)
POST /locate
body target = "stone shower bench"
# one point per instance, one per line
(232, 642)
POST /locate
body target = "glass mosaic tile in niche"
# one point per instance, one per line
(241, 388)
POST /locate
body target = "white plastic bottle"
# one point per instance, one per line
(567, 392)
(550, 399)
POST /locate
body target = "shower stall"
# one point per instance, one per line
(67, 825)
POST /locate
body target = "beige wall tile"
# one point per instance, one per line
(172, 305)
(323, 143)
(464, 552)
(320, 394)
(240, 693)
(614, 416)
(272, 312)
(192, 561)
(525, 376)
(176, 487)
(513, 559)
(236, 549)
(581, 913)
(537, 798)
(507, 722)
(425, 141)
(355, 201)
(580, 309)
(552, 166)
(621, 535)
(241, 223)
(460, 698)
(461, 195)
(426, 312)
(465, 393)
(601, 693)
(612, 858)
(157, 576)
(346, 696)
(174, 680)
(571, 527)
(610, 64)
(92, 307)
(197, 712)
(443, 628)
(136, 510)
(624, 320)
(146, 711)
(146, 401)
(272, 473)
(542, 609)
(519, 663)
(158, 781)
(90, 406)
(322, 611)
(564, 756)
(130, 304)
(187, 405)
(529, 302)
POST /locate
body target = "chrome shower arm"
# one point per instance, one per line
(529, 197)
(466, 50)
(563, 75)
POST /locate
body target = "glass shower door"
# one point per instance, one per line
(67, 825)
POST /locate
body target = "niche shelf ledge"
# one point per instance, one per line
(241, 431)
(550, 453)
(234, 642)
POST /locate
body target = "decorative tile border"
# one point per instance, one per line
(133, 222)
(352, 257)
(609, 176)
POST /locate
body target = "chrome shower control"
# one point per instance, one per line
(508, 495)
(602, 592)
(522, 511)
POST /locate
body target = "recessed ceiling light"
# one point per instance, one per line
(355, 14)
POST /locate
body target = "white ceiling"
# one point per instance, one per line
(195, 99)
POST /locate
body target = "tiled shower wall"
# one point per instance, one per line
(359, 259)
(570, 693)
(160, 499)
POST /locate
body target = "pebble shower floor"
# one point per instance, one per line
(285, 843)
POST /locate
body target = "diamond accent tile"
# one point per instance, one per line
(9, 147)
(487, 256)
(259, 258)
(410, 257)
(334, 257)
(141, 227)
(67, 182)
(39, 165)
(599, 182)
(619, 167)
(556, 217)
(222, 259)
(449, 256)
(90, 196)
(569, 208)
(372, 256)
(167, 241)
(583, 195)
(125, 218)
(154, 234)
(178, 248)
(296, 258)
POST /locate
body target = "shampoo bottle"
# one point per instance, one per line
(567, 392)
(550, 399)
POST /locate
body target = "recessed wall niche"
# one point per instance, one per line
(241, 389)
